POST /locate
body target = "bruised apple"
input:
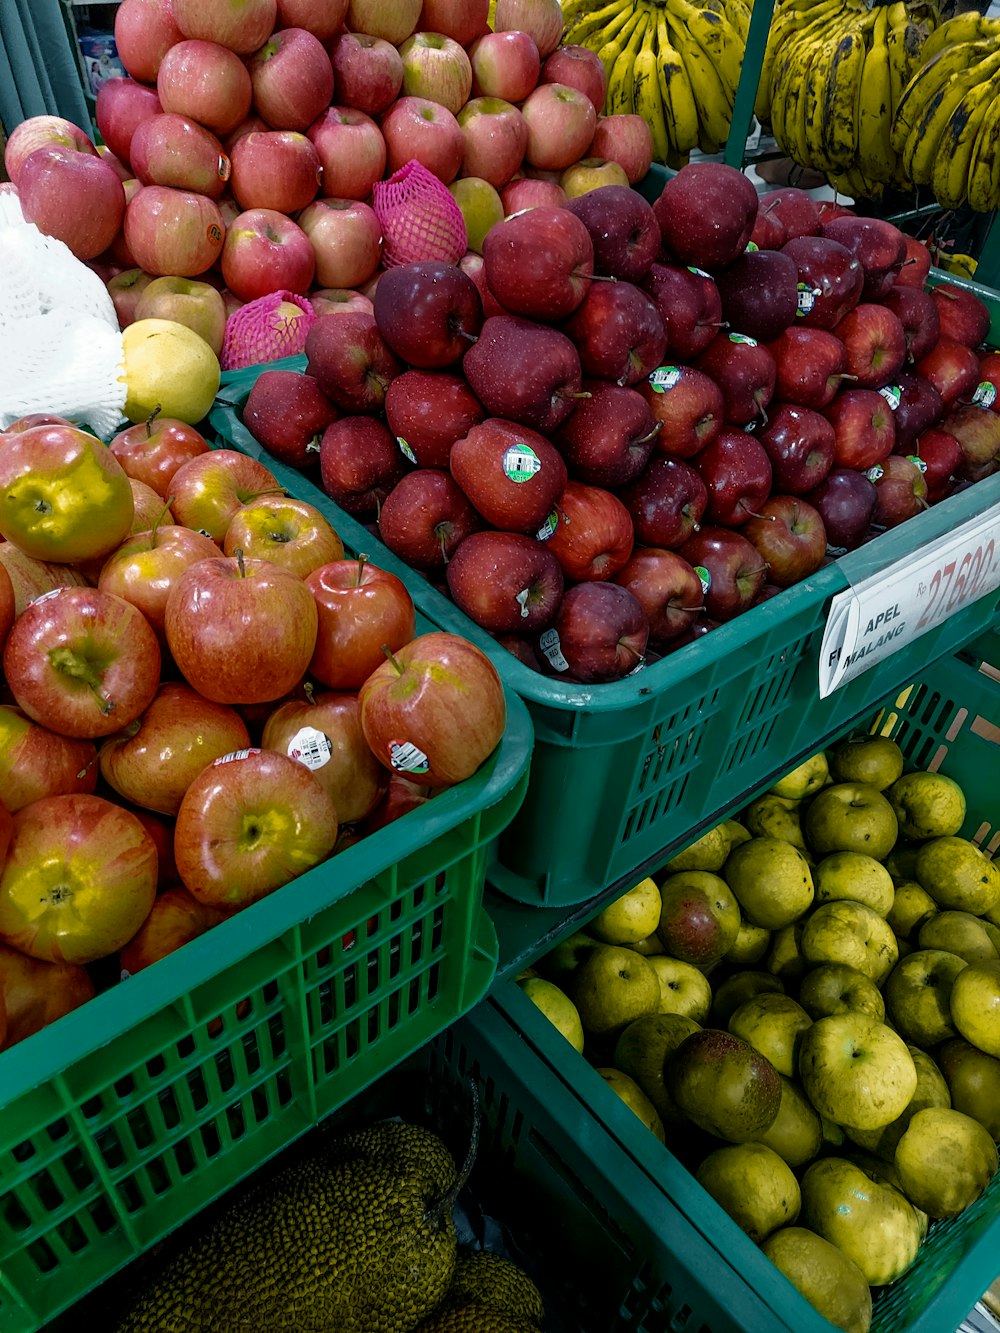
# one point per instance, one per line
(435, 710)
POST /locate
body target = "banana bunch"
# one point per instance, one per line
(676, 63)
(834, 72)
(946, 124)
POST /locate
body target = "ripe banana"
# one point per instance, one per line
(950, 174)
(714, 107)
(605, 23)
(984, 168)
(897, 54)
(840, 108)
(715, 35)
(875, 156)
(925, 85)
(968, 27)
(621, 76)
(646, 96)
(922, 144)
(680, 113)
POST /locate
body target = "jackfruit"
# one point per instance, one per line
(491, 1280)
(476, 1318)
(358, 1237)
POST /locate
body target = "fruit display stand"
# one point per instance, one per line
(658, 754)
(134, 1112)
(947, 719)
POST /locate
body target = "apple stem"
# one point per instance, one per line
(159, 519)
(362, 561)
(309, 690)
(388, 652)
(644, 439)
(86, 768)
(77, 668)
(469, 337)
(240, 562)
(693, 609)
(271, 490)
(912, 260)
(151, 418)
(596, 277)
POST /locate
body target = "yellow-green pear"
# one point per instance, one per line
(754, 1185)
(833, 1284)
(875, 760)
(945, 1161)
(634, 1098)
(927, 805)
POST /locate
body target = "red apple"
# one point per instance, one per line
(424, 518)
(810, 364)
(288, 532)
(504, 65)
(123, 105)
(977, 431)
(82, 662)
(401, 796)
(918, 407)
(525, 192)
(512, 474)
(209, 489)
(830, 275)
(688, 406)
(609, 438)
(599, 634)
(435, 710)
(875, 342)
(690, 306)
(706, 190)
(962, 315)
(428, 313)
(667, 589)
(264, 252)
(626, 139)
(205, 82)
(561, 123)
(360, 608)
(435, 66)
(174, 232)
(988, 390)
(463, 20)
(953, 369)
(145, 30)
(175, 920)
(800, 444)
(287, 412)
(368, 71)
(360, 463)
(42, 132)
(198, 305)
(737, 473)
(277, 169)
(30, 578)
(340, 301)
(942, 457)
(796, 210)
(240, 25)
(72, 196)
(539, 263)
(846, 504)
(248, 824)
(322, 18)
(745, 372)
(145, 567)
(523, 371)
(125, 288)
(594, 536)
(879, 246)
(577, 67)
(34, 993)
(392, 22)
(495, 136)
(172, 150)
(760, 294)
(292, 79)
(352, 362)
(417, 129)
(505, 581)
(351, 151)
(36, 762)
(542, 19)
(325, 736)
(864, 428)
(618, 333)
(916, 266)
(901, 491)
(623, 231)
(790, 535)
(428, 412)
(667, 503)
(918, 314)
(153, 450)
(734, 571)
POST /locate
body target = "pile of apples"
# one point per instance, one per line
(201, 698)
(628, 423)
(805, 1006)
(243, 149)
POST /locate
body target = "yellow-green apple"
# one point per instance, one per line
(436, 67)
(851, 933)
(209, 489)
(506, 582)
(325, 735)
(773, 1025)
(153, 450)
(796, 1133)
(346, 238)
(850, 817)
(415, 128)
(172, 150)
(626, 139)
(561, 123)
(856, 1071)
(41, 132)
(833, 1284)
(248, 824)
(559, 962)
(707, 852)
(634, 1098)
(240, 25)
(631, 917)
(684, 988)
(771, 880)
(29, 578)
(837, 988)
(750, 945)
(872, 1223)
(241, 631)
(785, 958)
(754, 1185)
(480, 206)
(367, 71)
(699, 917)
(276, 169)
(931, 1090)
(739, 987)
(494, 136)
(724, 1085)
(205, 82)
(292, 79)
(591, 173)
(360, 608)
(945, 1161)
(959, 933)
(557, 1007)
(393, 22)
(975, 1005)
(542, 19)
(35, 993)
(265, 251)
(918, 995)
(611, 987)
(199, 305)
(434, 710)
(79, 880)
(289, 532)
(504, 65)
(66, 498)
(144, 31)
(351, 151)
(463, 20)
(641, 1052)
(577, 67)
(911, 907)
(854, 876)
(82, 662)
(154, 760)
(954, 871)
(145, 567)
(36, 762)
(973, 1080)
(176, 918)
(171, 232)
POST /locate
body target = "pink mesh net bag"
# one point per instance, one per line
(420, 220)
(265, 329)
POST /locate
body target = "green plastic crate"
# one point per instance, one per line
(948, 720)
(131, 1114)
(658, 754)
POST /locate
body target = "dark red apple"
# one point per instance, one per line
(918, 314)
(506, 582)
(360, 462)
(864, 428)
(879, 246)
(690, 306)
(810, 366)
(538, 263)
(668, 590)
(963, 316)
(830, 274)
(790, 535)
(759, 293)
(953, 368)
(737, 473)
(988, 389)
(846, 503)
(667, 503)
(875, 343)
(734, 572)
(287, 412)
(706, 214)
(599, 634)
(916, 266)
(744, 371)
(942, 457)
(610, 437)
(623, 230)
(901, 491)
(524, 371)
(512, 474)
(594, 536)
(689, 407)
(428, 313)
(617, 331)
(351, 361)
(769, 231)
(795, 209)
(919, 407)
(424, 518)
(428, 411)
(800, 444)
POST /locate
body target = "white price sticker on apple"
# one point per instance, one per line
(887, 611)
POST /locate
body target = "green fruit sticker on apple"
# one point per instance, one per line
(405, 449)
(520, 462)
(892, 393)
(742, 338)
(663, 379)
(918, 463)
(806, 298)
(752, 248)
(310, 747)
(549, 644)
(698, 272)
(548, 527)
(405, 757)
(875, 473)
(985, 395)
(705, 577)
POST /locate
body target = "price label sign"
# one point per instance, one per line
(887, 611)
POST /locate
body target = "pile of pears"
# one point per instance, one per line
(804, 1006)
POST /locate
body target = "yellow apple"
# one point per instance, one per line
(803, 780)
(833, 1284)
(850, 817)
(958, 875)
(480, 205)
(848, 932)
(683, 989)
(773, 1025)
(754, 1185)
(927, 805)
(590, 173)
(771, 880)
(632, 917)
(634, 1098)
(973, 1078)
(945, 1161)
(875, 760)
(975, 1006)
(855, 876)
(566, 957)
(786, 959)
(856, 1071)
(557, 1007)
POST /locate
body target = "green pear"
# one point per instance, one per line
(876, 761)
(927, 805)
(833, 1284)
(872, 1223)
(756, 1188)
(945, 1161)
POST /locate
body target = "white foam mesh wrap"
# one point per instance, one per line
(60, 344)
